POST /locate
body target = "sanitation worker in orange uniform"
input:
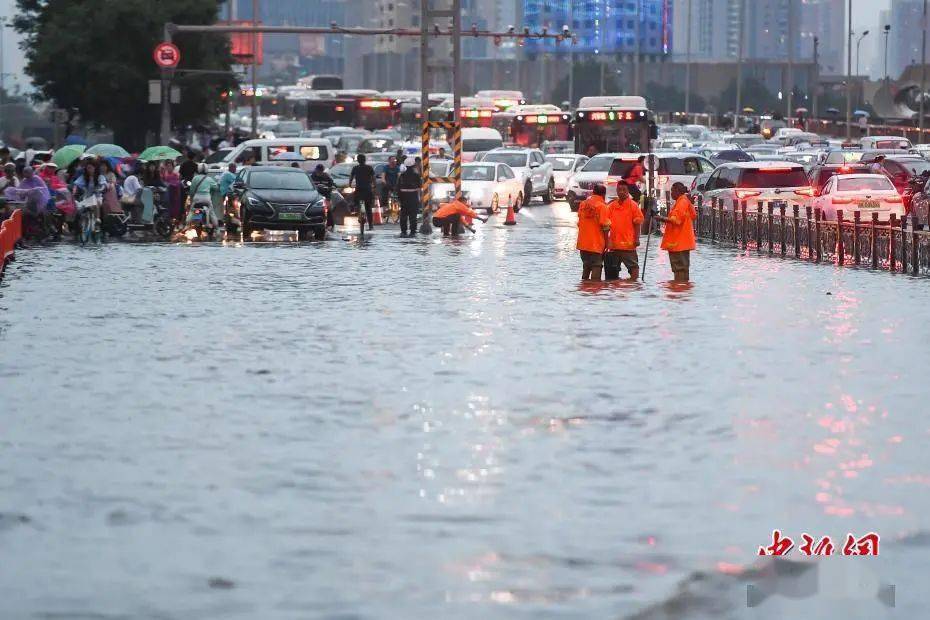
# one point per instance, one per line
(593, 226)
(679, 233)
(626, 218)
(450, 214)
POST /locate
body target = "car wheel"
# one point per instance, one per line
(303, 234)
(527, 194)
(319, 233)
(550, 189)
(246, 230)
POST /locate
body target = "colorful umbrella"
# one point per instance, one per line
(107, 150)
(155, 153)
(67, 154)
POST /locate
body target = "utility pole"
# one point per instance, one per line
(165, 127)
(571, 59)
(849, 36)
(923, 71)
(790, 90)
(815, 85)
(636, 59)
(688, 68)
(739, 66)
(254, 70)
(887, 31)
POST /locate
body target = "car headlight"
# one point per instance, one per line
(348, 190)
(255, 202)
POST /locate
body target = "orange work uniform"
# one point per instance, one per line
(679, 230)
(624, 216)
(456, 207)
(592, 222)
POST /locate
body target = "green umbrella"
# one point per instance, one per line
(67, 154)
(108, 150)
(154, 153)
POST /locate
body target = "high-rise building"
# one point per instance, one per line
(824, 20)
(603, 26)
(905, 44)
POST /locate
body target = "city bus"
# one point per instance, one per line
(621, 124)
(502, 99)
(531, 125)
(321, 82)
(474, 112)
(365, 109)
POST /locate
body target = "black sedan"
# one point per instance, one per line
(279, 198)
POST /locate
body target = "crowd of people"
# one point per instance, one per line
(50, 196)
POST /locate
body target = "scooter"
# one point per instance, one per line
(200, 218)
(88, 223)
(155, 217)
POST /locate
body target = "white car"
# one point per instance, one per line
(678, 168)
(531, 167)
(563, 168)
(485, 185)
(866, 193)
(886, 142)
(593, 172)
(758, 183)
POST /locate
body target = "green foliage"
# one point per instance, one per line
(754, 95)
(671, 99)
(95, 57)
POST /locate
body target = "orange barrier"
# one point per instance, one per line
(11, 231)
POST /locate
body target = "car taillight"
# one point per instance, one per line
(743, 194)
(806, 191)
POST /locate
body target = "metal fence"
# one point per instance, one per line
(776, 230)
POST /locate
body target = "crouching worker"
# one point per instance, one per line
(593, 227)
(450, 214)
(679, 233)
(626, 218)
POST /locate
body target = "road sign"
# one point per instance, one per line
(167, 55)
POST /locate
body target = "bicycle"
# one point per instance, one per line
(392, 212)
(88, 220)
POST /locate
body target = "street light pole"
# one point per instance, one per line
(790, 85)
(254, 70)
(688, 69)
(739, 66)
(858, 43)
(571, 59)
(923, 72)
(849, 36)
(887, 30)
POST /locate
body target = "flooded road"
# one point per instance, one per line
(449, 429)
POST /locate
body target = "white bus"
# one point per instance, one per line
(619, 124)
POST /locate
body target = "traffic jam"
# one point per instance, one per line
(514, 152)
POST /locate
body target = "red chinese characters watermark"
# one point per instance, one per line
(782, 545)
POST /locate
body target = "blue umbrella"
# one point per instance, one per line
(73, 139)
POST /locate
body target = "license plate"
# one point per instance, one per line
(289, 216)
(869, 204)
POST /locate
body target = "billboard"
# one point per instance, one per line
(602, 26)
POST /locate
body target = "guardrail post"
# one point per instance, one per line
(713, 219)
(771, 224)
(874, 249)
(904, 244)
(818, 217)
(758, 227)
(810, 234)
(856, 250)
(892, 246)
(797, 229)
(735, 220)
(784, 225)
(915, 256)
(700, 210)
(742, 215)
(840, 245)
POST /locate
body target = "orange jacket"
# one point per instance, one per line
(624, 216)
(679, 230)
(635, 175)
(593, 222)
(456, 207)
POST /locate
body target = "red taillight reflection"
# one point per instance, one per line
(743, 194)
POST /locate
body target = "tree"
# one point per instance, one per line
(671, 99)
(95, 58)
(754, 95)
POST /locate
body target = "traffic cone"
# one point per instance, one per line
(377, 218)
(511, 216)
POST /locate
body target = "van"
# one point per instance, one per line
(479, 139)
(307, 152)
(886, 142)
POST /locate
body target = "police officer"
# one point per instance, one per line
(408, 186)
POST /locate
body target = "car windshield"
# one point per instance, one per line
(621, 167)
(863, 184)
(843, 157)
(514, 160)
(598, 164)
(438, 168)
(477, 145)
(561, 163)
(217, 156)
(375, 145)
(349, 143)
(267, 179)
(290, 127)
(478, 173)
(893, 144)
(773, 177)
(914, 167)
(733, 155)
(341, 170)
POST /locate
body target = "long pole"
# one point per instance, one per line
(739, 66)
(790, 93)
(923, 71)
(165, 126)
(887, 29)
(688, 68)
(254, 70)
(636, 59)
(571, 59)
(849, 35)
(455, 171)
(2, 75)
(815, 86)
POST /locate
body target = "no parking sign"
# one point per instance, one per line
(167, 55)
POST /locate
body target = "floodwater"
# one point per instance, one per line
(451, 429)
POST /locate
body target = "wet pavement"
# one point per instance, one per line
(441, 428)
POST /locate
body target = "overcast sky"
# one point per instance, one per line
(865, 16)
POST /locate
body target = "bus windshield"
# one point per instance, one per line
(593, 137)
